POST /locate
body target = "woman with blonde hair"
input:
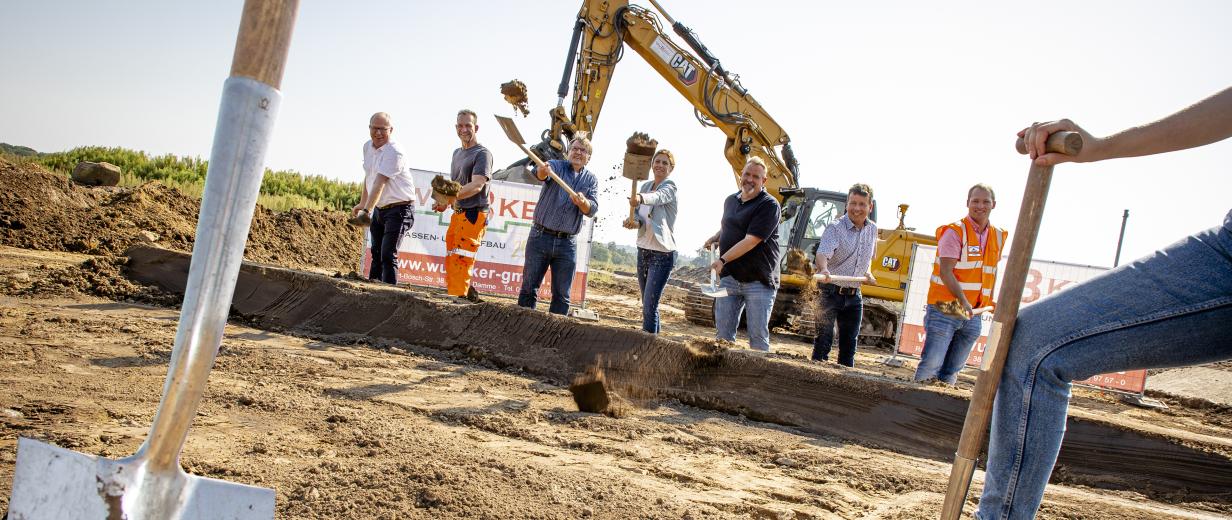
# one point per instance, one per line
(655, 221)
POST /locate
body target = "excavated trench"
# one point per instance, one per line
(850, 406)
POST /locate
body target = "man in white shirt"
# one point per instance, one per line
(388, 195)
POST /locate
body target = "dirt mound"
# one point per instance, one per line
(101, 276)
(44, 210)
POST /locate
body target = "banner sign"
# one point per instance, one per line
(1043, 279)
(502, 252)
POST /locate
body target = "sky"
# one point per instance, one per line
(918, 99)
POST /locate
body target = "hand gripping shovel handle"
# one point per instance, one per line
(975, 428)
(544, 167)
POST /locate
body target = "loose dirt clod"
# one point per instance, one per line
(590, 391)
(640, 143)
(516, 95)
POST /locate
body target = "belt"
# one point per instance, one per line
(845, 291)
(557, 234)
(395, 205)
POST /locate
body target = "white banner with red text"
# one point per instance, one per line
(502, 252)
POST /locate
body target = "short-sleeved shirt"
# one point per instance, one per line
(951, 246)
(554, 210)
(388, 161)
(467, 163)
(759, 217)
(849, 251)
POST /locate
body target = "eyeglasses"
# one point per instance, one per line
(380, 128)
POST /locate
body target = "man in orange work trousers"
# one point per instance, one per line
(471, 167)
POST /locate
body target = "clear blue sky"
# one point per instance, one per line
(918, 99)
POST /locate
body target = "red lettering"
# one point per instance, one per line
(1031, 291)
(1055, 285)
(506, 208)
(528, 210)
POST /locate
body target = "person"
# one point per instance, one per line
(388, 195)
(965, 272)
(558, 218)
(471, 166)
(748, 262)
(655, 220)
(845, 249)
(1167, 309)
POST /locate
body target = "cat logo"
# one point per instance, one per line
(889, 262)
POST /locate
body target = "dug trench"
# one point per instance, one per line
(855, 407)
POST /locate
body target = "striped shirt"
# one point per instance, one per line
(848, 251)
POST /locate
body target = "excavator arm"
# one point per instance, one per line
(603, 29)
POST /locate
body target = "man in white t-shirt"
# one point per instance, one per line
(388, 195)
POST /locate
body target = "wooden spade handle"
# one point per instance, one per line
(979, 413)
(543, 166)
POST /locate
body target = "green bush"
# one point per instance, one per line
(280, 190)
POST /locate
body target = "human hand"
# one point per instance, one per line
(716, 266)
(967, 310)
(825, 275)
(1035, 137)
(438, 207)
(356, 208)
(630, 223)
(635, 201)
(710, 242)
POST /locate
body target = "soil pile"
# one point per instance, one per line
(45, 210)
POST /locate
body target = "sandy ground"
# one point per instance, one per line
(365, 431)
(392, 430)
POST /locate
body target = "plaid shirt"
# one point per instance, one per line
(849, 251)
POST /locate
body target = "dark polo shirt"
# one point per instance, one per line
(758, 217)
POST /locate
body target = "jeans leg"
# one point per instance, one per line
(376, 230)
(563, 261)
(827, 314)
(727, 309)
(960, 348)
(1171, 308)
(658, 270)
(534, 268)
(938, 332)
(849, 314)
(759, 299)
(397, 221)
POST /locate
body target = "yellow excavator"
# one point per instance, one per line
(604, 29)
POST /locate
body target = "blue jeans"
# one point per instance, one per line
(1171, 308)
(545, 251)
(653, 268)
(755, 299)
(387, 229)
(947, 343)
(843, 310)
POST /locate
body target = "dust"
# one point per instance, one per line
(44, 210)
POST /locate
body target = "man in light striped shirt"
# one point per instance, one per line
(846, 249)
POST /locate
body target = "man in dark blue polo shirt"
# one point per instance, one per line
(748, 262)
(558, 218)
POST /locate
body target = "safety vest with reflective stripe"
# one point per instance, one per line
(976, 269)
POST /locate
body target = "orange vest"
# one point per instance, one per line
(976, 269)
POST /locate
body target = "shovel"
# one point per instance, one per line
(713, 290)
(979, 412)
(56, 483)
(511, 131)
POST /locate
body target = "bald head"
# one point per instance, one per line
(380, 126)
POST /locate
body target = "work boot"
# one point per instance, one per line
(473, 295)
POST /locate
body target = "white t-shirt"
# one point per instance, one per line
(388, 161)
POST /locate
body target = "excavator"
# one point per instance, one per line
(602, 32)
